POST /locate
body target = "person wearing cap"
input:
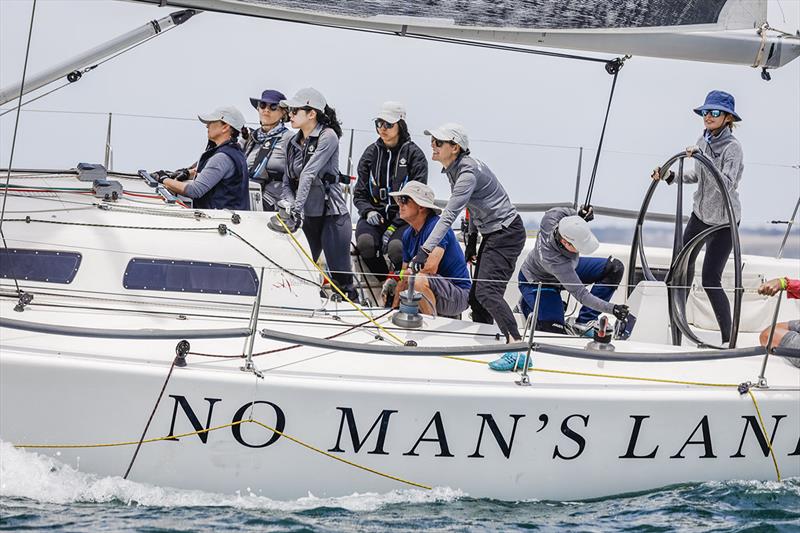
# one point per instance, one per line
(265, 147)
(312, 192)
(474, 186)
(720, 146)
(219, 180)
(555, 262)
(385, 167)
(444, 281)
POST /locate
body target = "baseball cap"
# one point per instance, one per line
(392, 112)
(308, 97)
(228, 114)
(576, 231)
(451, 131)
(421, 193)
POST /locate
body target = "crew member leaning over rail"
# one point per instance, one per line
(718, 144)
(384, 168)
(219, 179)
(312, 193)
(265, 147)
(475, 186)
(787, 334)
(445, 279)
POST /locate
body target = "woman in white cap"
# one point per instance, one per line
(475, 186)
(265, 147)
(718, 144)
(312, 188)
(556, 263)
(385, 167)
(220, 179)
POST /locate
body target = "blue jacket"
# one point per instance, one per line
(232, 191)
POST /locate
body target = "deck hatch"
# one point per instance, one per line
(52, 266)
(189, 276)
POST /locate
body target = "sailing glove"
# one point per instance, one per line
(621, 311)
(418, 263)
(471, 249)
(182, 174)
(160, 175)
(586, 213)
(374, 218)
(387, 235)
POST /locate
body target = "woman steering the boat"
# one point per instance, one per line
(312, 193)
(265, 147)
(720, 146)
(474, 186)
(385, 167)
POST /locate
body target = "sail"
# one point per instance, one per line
(719, 31)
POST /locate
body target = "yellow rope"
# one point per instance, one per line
(335, 287)
(293, 439)
(764, 432)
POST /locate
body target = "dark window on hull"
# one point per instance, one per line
(39, 265)
(189, 276)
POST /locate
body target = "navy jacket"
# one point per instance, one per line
(232, 191)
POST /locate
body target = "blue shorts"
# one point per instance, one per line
(451, 300)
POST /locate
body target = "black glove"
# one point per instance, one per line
(418, 263)
(160, 175)
(586, 213)
(471, 249)
(621, 312)
(182, 174)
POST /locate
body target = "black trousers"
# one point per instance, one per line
(497, 259)
(718, 249)
(331, 234)
(369, 240)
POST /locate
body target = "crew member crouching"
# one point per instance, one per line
(220, 178)
(444, 280)
(556, 263)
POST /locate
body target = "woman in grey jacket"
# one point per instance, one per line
(718, 144)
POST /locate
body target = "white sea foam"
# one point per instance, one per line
(25, 474)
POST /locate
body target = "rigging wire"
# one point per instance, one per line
(16, 127)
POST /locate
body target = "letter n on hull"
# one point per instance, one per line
(193, 420)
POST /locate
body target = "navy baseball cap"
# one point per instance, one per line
(270, 96)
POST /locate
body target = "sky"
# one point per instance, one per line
(526, 115)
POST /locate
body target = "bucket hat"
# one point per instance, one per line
(576, 231)
(392, 112)
(270, 96)
(719, 100)
(421, 193)
(308, 97)
(228, 114)
(451, 131)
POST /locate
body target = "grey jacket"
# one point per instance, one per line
(475, 187)
(726, 153)
(272, 163)
(554, 266)
(303, 184)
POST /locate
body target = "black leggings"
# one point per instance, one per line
(718, 249)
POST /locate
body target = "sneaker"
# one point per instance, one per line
(510, 361)
(581, 329)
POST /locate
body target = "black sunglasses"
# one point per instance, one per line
(264, 105)
(295, 110)
(439, 143)
(381, 124)
(403, 199)
(713, 112)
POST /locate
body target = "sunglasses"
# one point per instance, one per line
(713, 112)
(381, 124)
(403, 199)
(271, 107)
(439, 143)
(295, 110)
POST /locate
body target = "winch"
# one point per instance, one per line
(408, 316)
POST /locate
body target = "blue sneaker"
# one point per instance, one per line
(510, 361)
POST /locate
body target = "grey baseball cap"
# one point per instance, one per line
(451, 131)
(392, 112)
(228, 114)
(576, 231)
(308, 97)
(421, 193)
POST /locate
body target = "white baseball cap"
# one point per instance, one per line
(308, 97)
(392, 112)
(227, 114)
(451, 131)
(576, 231)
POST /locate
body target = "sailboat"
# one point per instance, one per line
(193, 349)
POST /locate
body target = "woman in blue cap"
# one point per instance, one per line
(265, 147)
(720, 146)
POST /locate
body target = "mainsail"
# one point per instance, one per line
(719, 31)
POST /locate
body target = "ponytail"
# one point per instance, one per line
(328, 119)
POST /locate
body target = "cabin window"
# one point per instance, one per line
(39, 265)
(189, 276)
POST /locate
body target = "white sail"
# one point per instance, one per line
(719, 31)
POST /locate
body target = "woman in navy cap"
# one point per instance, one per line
(265, 147)
(720, 146)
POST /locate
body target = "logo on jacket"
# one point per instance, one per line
(402, 161)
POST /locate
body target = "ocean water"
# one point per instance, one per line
(39, 493)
